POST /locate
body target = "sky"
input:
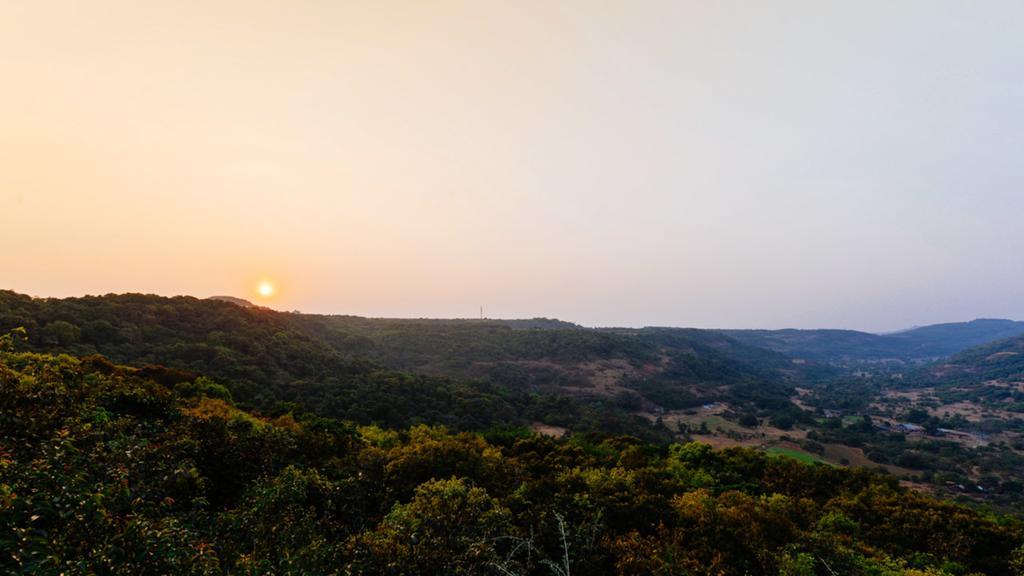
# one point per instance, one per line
(713, 164)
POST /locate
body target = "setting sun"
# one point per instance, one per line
(265, 289)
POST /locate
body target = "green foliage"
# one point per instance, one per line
(104, 470)
(748, 420)
(1017, 562)
(7, 341)
(802, 564)
(449, 527)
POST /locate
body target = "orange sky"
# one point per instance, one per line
(660, 162)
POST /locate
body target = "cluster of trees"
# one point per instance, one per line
(108, 469)
(457, 344)
(995, 395)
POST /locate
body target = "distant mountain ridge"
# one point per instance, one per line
(916, 345)
(950, 338)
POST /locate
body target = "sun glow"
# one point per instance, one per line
(265, 289)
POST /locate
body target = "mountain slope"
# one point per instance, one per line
(999, 361)
(269, 360)
(830, 346)
(270, 356)
(948, 339)
(849, 346)
(601, 360)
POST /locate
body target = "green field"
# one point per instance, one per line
(797, 454)
(714, 422)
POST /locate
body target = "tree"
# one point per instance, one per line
(449, 527)
(61, 333)
(748, 420)
(8, 341)
(782, 421)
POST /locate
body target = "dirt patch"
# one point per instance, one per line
(915, 395)
(798, 400)
(918, 486)
(722, 432)
(969, 410)
(608, 376)
(837, 453)
(548, 430)
(726, 442)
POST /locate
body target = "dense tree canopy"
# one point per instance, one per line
(108, 469)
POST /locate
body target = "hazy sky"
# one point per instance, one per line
(722, 164)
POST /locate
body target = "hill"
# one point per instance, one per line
(910, 346)
(105, 470)
(657, 384)
(667, 367)
(947, 339)
(268, 360)
(828, 346)
(272, 356)
(1001, 361)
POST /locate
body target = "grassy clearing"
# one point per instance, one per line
(796, 454)
(715, 422)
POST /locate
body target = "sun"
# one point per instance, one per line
(265, 289)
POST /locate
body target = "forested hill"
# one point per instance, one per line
(269, 356)
(269, 361)
(105, 470)
(829, 346)
(1001, 362)
(948, 339)
(850, 347)
(560, 355)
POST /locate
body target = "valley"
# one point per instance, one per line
(232, 409)
(950, 424)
